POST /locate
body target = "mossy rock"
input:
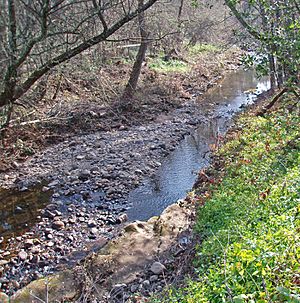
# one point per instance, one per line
(60, 287)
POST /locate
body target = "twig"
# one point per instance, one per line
(40, 121)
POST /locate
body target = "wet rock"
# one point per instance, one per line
(157, 268)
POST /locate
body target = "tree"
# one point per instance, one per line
(137, 66)
(275, 25)
(37, 36)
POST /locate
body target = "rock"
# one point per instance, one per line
(58, 225)
(146, 284)
(91, 224)
(3, 262)
(94, 231)
(28, 243)
(53, 183)
(84, 175)
(157, 268)
(48, 214)
(134, 288)
(122, 218)
(19, 210)
(153, 278)
(72, 220)
(22, 255)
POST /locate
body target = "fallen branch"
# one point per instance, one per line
(271, 104)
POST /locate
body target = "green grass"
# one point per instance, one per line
(250, 226)
(202, 48)
(160, 65)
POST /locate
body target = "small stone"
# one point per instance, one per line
(45, 188)
(91, 224)
(134, 288)
(28, 243)
(48, 214)
(22, 255)
(84, 175)
(49, 236)
(18, 210)
(122, 218)
(3, 262)
(94, 231)
(53, 183)
(58, 225)
(146, 284)
(157, 268)
(159, 288)
(153, 278)
(72, 220)
(50, 244)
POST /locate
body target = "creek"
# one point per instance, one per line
(20, 210)
(178, 171)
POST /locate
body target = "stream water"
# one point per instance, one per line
(178, 172)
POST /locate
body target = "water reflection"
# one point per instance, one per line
(19, 210)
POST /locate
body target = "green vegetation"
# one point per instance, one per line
(250, 248)
(180, 66)
(172, 65)
(201, 48)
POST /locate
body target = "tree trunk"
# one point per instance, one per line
(272, 68)
(137, 66)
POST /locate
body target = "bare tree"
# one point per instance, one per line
(37, 36)
(137, 66)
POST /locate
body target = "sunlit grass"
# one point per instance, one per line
(199, 48)
(172, 65)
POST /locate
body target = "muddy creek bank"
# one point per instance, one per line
(90, 177)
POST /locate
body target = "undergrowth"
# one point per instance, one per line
(173, 65)
(249, 227)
